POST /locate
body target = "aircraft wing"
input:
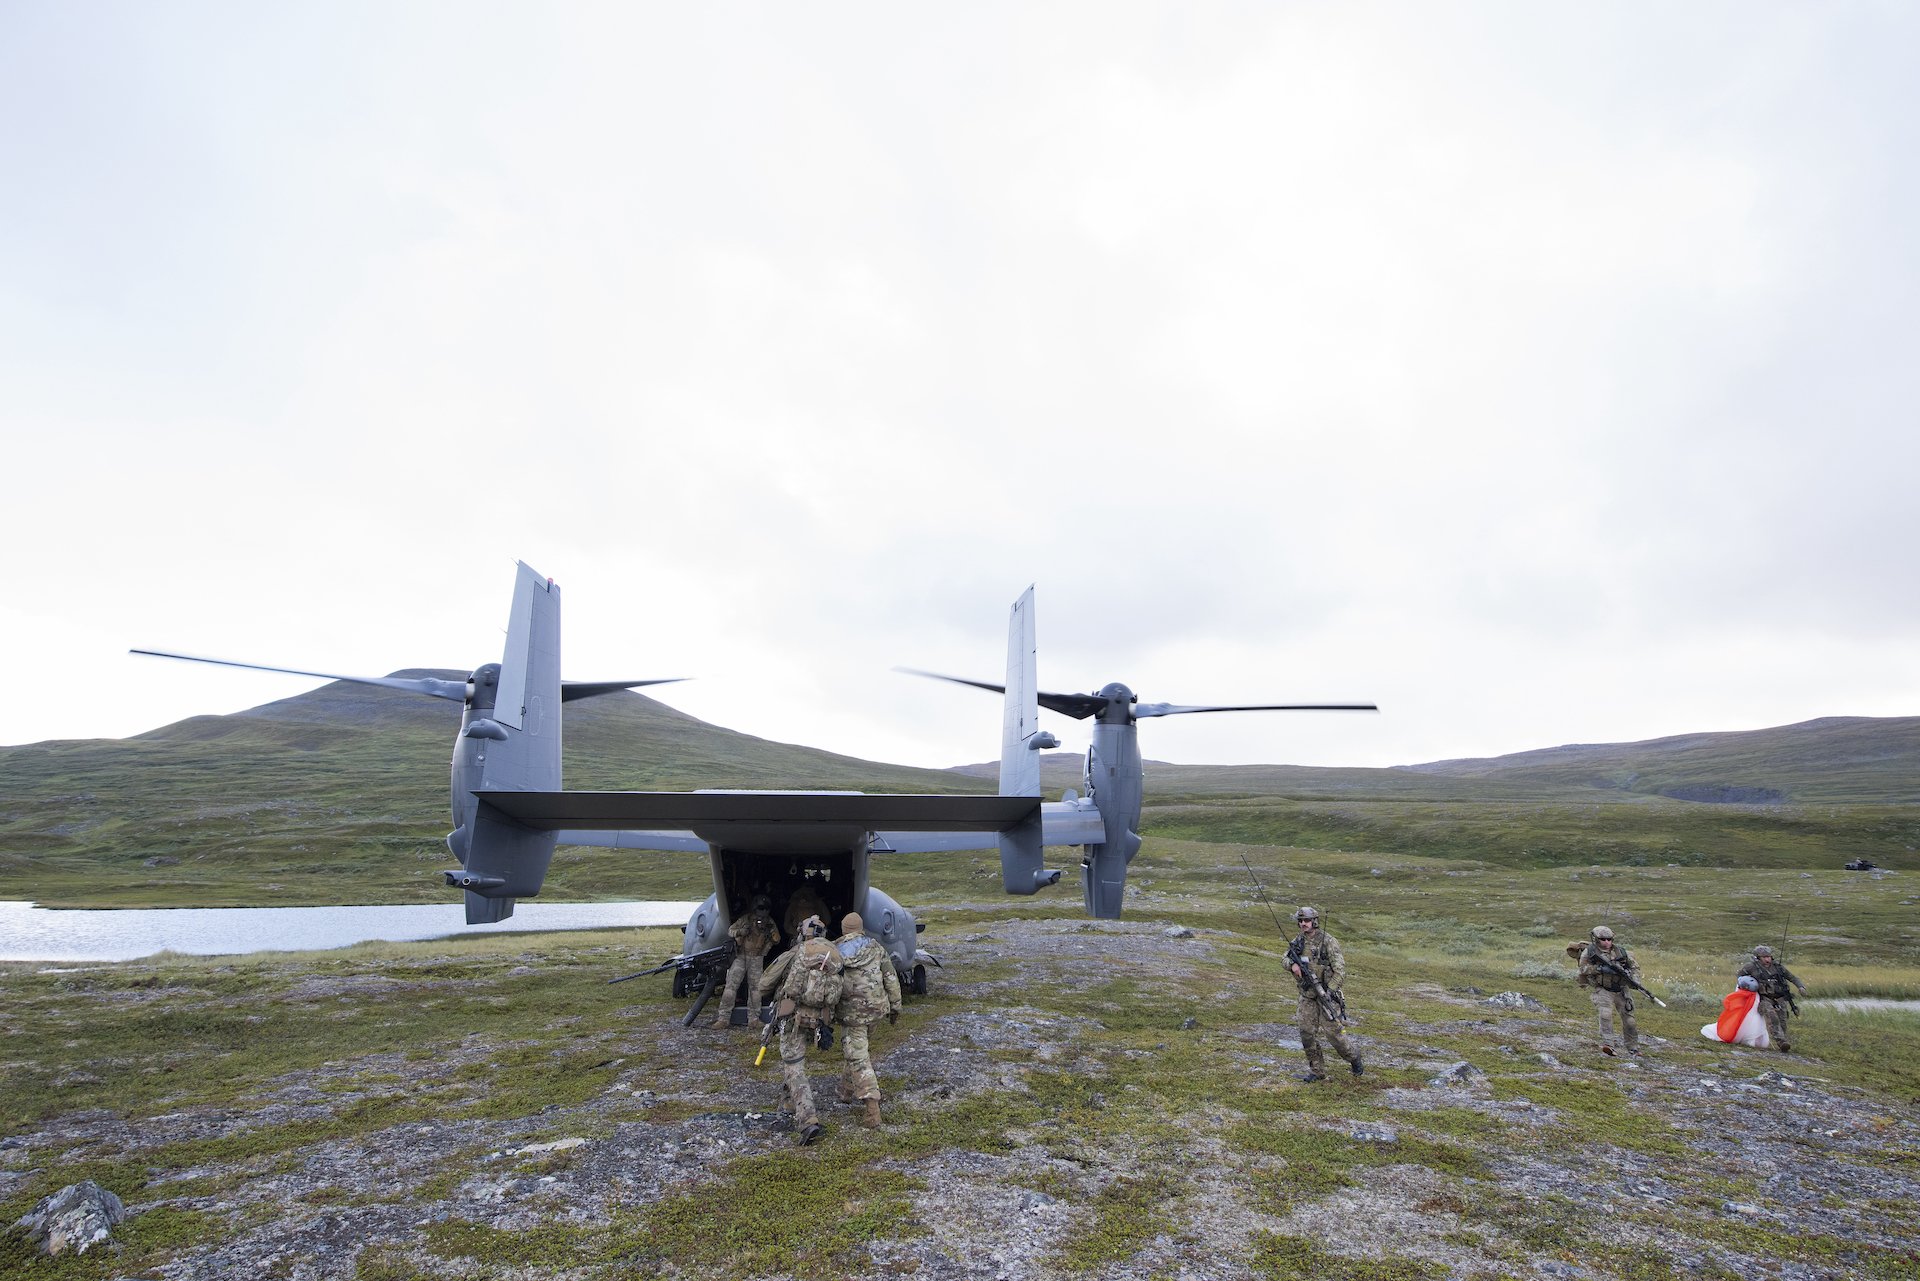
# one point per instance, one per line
(769, 821)
(627, 839)
(1061, 823)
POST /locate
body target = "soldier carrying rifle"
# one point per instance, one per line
(1318, 967)
(1770, 981)
(1609, 971)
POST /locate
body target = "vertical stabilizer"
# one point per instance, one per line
(1020, 764)
(1022, 865)
(509, 742)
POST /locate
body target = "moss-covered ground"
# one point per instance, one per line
(1077, 1099)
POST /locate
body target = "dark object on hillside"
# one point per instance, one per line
(77, 1217)
(1861, 865)
(1724, 794)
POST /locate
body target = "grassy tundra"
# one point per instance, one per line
(242, 1105)
(1073, 1099)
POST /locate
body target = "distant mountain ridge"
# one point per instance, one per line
(1861, 759)
(340, 795)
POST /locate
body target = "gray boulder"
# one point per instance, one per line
(1513, 1001)
(1461, 1073)
(77, 1218)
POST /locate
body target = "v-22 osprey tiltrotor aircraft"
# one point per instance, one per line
(798, 848)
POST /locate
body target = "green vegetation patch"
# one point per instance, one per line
(1319, 1161)
(1286, 1257)
(1127, 1213)
(1596, 1112)
(145, 1241)
(800, 1213)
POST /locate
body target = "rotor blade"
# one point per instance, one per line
(572, 690)
(432, 686)
(989, 686)
(1175, 709)
(1078, 706)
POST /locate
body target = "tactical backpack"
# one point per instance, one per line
(815, 980)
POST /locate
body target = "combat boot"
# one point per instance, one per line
(872, 1119)
(1358, 1067)
(808, 1133)
(1310, 1076)
(722, 1019)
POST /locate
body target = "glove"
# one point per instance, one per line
(893, 1016)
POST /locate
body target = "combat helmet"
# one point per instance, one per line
(1601, 932)
(812, 928)
(761, 903)
(1761, 949)
(1306, 914)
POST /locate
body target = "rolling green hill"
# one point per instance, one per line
(1850, 759)
(339, 795)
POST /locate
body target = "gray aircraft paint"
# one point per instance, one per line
(509, 741)
(509, 809)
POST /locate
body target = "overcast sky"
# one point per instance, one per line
(1545, 373)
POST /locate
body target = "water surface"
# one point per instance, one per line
(1898, 1006)
(30, 933)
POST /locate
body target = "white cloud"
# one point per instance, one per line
(1540, 373)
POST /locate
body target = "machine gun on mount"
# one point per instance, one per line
(705, 968)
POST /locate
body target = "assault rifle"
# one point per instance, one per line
(1332, 1004)
(1620, 973)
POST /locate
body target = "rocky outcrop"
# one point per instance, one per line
(77, 1218)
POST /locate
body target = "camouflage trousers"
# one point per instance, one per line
(857, 1080)
(744, 970)
(1316, 1027)
(793, 1071)
(1607, 1004)
(1775, 1014)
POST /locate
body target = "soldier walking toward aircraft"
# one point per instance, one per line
(1770, 980)
(1607, 969)
(869, 992)
(1319, 968)
(753, 937)
(807, 979)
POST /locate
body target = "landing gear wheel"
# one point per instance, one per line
(679, 984)
(917, 984)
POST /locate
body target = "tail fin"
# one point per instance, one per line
(1022, 865)
(510, 742)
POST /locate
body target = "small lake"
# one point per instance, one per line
(1897, 1006)
(30, 933)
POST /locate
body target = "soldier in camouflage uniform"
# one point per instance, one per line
(1770, 981)
(806, 978)
(1319, 957)
(753, 935)
(1610, 994)
(869, 992)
